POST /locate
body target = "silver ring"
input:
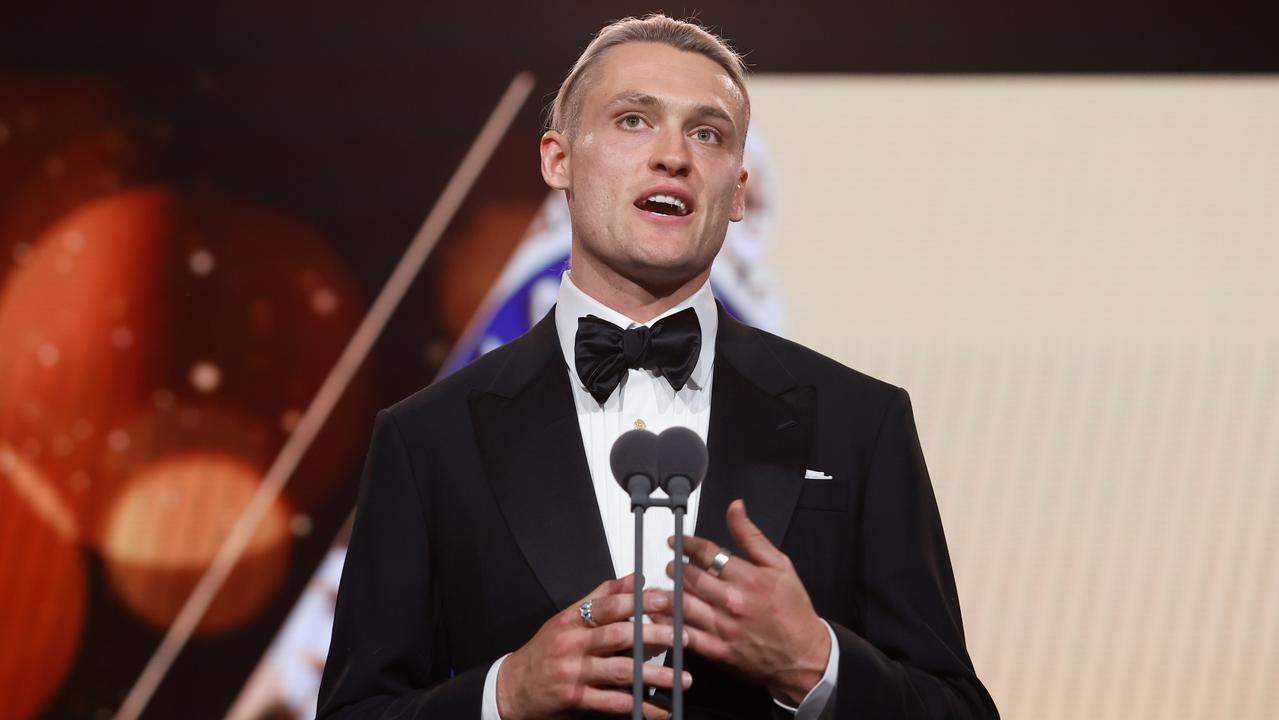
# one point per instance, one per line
(719, 561)
(585, 611)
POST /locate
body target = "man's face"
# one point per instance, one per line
(654, 170)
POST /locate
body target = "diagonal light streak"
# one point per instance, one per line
(326, 398)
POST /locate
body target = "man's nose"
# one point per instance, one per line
(670, 154)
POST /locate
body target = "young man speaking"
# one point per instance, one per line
(480, 577)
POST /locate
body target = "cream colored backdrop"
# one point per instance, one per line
(1077, 279)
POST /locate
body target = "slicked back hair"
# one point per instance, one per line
(683, 35)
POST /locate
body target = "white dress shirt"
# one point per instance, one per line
(644, 399)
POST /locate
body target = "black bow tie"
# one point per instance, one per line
(604, 352)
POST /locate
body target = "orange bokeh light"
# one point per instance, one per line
(183, 306)
(43, 576)
(170, 521)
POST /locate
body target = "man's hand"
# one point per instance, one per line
(755, 616)
(568, 666)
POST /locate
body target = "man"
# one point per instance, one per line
(480, 577)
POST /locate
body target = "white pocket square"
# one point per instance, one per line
(817, 475)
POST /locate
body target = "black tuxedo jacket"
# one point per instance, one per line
(477, 521)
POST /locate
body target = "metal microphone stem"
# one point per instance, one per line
(677, 662)
(637, 652)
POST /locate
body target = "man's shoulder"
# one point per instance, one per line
(810, 367)
(846, 398)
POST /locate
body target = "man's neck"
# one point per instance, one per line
(637, 301)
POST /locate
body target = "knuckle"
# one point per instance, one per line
(730, 632)
(571, 618)
(735, 603)
(566, 675)
(564, 645)
(657, 634)
(605, 607)
(658, 676)
(620, 673)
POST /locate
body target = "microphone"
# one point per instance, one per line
(676, 461)
(681, 466)
(682, 462)
(634, 462)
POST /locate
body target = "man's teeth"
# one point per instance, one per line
(667, 199)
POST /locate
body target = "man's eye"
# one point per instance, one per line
(632, 121)
(706, 136)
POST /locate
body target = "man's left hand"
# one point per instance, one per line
(755, 616)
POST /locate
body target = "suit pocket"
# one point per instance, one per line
(824, 494)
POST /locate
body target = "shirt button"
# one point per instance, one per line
(640, 424)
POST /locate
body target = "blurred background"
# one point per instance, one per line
(1054, 223)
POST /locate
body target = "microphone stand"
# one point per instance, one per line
(677, 501)
(637, 459)
(638, 501)
(680, 488)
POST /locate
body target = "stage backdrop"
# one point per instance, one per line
(1077, 280)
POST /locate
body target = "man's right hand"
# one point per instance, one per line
(568, 666)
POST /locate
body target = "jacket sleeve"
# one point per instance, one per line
(911, 661)
(388, 656)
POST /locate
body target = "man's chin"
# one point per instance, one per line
(663, 276)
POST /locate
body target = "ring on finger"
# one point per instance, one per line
(585, 611)
(719, 561)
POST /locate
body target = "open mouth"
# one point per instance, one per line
(665, 204)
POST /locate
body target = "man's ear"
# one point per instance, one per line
(738, 210)
(555, 160)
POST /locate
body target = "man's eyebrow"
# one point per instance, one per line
(631, 97)
(714, 112)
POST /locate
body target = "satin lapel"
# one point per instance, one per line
(528, 436)
(758, 440)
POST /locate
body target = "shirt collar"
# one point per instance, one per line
(573, 304)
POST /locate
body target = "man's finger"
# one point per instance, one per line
(611, 587)
(751, 539)
(706, 586)
(701, 552)
(597, 700)
(698, 614)
(623, 584)
(612, 608)
(572, 615)
(708, 644)
(621, 636)
(615, 672)
(653, 712)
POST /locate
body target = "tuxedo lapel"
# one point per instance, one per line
(531, 444)
(758, 439)
(758, 442)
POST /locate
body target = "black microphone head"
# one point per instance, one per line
(681, 453)
(634, 454)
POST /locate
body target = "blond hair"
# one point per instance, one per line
(683, 35)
